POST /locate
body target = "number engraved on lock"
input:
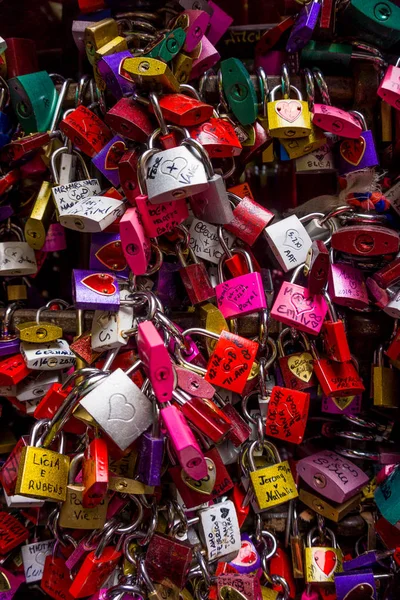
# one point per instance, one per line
(120, 409)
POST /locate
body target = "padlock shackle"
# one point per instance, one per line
(264, 90)
(331, 308)
(224, 258)
(288, 331)
(310, 88)
(266, 446)
(328, 533)
(6, 322)
(74, 465)
(297, 272)
(322, 86)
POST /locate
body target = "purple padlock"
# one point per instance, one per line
(356, 154)
(348, 405)
(9, 342)
(271, 62)
(109, 70)
(209, 56)
(352, 586)
(304, 26)
(55, 239)
(6, 211)
(192, 354)
(248, 559)
(95, 290)
(219, 23)
(151, 454)
(366, 559)
(167, 284)
(106, 253)
(107, 160)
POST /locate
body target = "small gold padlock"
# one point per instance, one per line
(301, 146)
(17, 291)
(288, 117)
(97, 35)
(322, 562)
(39, 220)
(150, 73)
(40, 332)
(182, 67)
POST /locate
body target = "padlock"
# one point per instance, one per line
(304, 26)
(97, 35)
(108, 68)
(238, 586)
(34, 100)
(194, 23)
(182, 67)
(332, 476)
(6, 125)
(208, 57)
(73, 514)
(330, 510)
(195, 277)
(151, 453)
(317, 161)
(322, 562)
(93, 290)
(95, 473)
(149, 73)
(33, 558)
(175, 173)
(156, 360)
(162, 218)
(366, 240)
(354, 583)
(183, 110)
(239, 91)
(16, 258)
(9, 470)
(129, 119)
(295, 306)
(9, 341)
(36, 331)
(287, 414)
(346, 405)
(385, 380)
(108, 328)
(289, 242)
(13, 370)
(218, 137)
(55, 239)
(334, 336)
(106, 161)
(296, 368)
(95, 569)
(272, 485)
(56, 577)
(356, 154)
(215, 520)
(106, 252)
(166, 45)
(337, 379)
(347, 286)
(287, 117)
(135, 243)
(35, 386)
(298, 147)
(241, 295)
(389, 89)
(249, 219)
(387, 498)
(42, 473)
(317, 267)
(377, 21)
(87, 132)
(124, 412)
(12, 533)
(47, 356)
(205, 242)
(168, 560)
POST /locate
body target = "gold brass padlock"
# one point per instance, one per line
(150, 73)
(42, 473)
(17, 291)
(39, 221)
(330, 510)
(301, 146)
(322, 562)
(288, 117)
(40, 332)
(97, 35)
(213, 320)
(182, 67)
(385, 381)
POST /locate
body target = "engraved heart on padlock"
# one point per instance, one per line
(111, 256)
(120, 409)
(205, 485)
(344, 402)
(174, 167)
(101, 283)
(247, 555)
(301, 303)
(290, 110)
(326, 561)
(301, 366)
(293, 239)
(16, 254)
(362, 591)
(218, 130)
(353, 150)
(40, 558)
(114, 155)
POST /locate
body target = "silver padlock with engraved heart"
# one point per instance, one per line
(33, 559)
(16, 257)
(121, 409)
(175, 173)
(108, 328)
(48, 357)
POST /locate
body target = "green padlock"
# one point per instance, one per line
(239, 91)
(377, 20)
(169, 46)
(326, 56)
(34, 99)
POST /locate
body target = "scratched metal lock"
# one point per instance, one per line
(106, 253)
(356, 154)
(331, 475)
(346, 286)
(47, 357)
(86, 130)
(289, 242)
(16, 258)
(288, 118)
(159, 219)
(33, 559)
(322, 562)
(130, 119)
(304, 26)
(195, 277)
(218, 137)
(249, 219)
(241, 295)
(297, 367)
(168, 560)
(108, 327)
(205, 242)
(34, 98)
(287, 414)
(124, 412)
(220, 532)
(95, 569)
(93, 214)
(42, 473)
(337, 378)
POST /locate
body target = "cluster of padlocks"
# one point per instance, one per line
(199, 414)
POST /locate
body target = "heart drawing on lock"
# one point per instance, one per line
(326, 561)
(301, 366)
(120, 409)
(344, 402)
(293, 239)
(16, 254)
(100, 283)
(247, 555)
(224, 512)
(111, 256)
(202, 486)
(215, 130)
(301, 303)
(353, 151)
(114, 155)
(289, 110)
(174, 167)
(362, 591)
(40, 557)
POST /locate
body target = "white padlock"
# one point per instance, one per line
(48, 357)
(289, 242)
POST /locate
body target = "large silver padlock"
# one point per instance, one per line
(289, 242)
(93, 214)
(213, 204)
(220, 531)
(33, 559)
(108, 327)
(121, 409)
(16, 257)
(35, 386)
(174, 173)
(48, 357)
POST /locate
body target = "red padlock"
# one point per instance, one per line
(128, 174)
(287, 414)
(95, 473)
(13, 370)
(9, 470)
(366, 240)
(12, 533)
(218, 137)
(334, 335)
(86, 131)
(21, 57)
(130, 119)
(337, 379)
(388, 275)
(183, 110)
(95, 569)
(317, 267)
(56, 578)
(250, 219)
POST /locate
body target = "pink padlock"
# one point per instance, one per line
(389, 88)
(195, 23)
(297, 307)
(156, 360)
(55, 239)
(209, 56)
(184, 443)
(219, 23)
(346, 286)
(135, 244)
(271, 62)
(241, 295)
(159, 219)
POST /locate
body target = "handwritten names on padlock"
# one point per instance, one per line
(12, 533)
(33, 558)
(46, 357)
(230, 364)
(168, 560)
(205, 243)
(273, 485)
(159, 219)
(43, 474)
(296, 307)
(220, 529)
(66, 196)
(86, 131)
(247, 585)
(56, 578)
(287, 414)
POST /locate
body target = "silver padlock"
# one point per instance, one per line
(174, 173)
(16, 257)
(319, 228)
(108, 327)
(212, 205)
(18, 501)
(92, 215)
(228, 452)
(289, 242)
(33, 559)
(35, 386)
(220, 531)
(48, 357)
(121, 409)
(205, 242)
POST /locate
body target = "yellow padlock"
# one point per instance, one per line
(301, 146)
(322, 562)
(97, 35)
(288, 117)
(39, 221)
(150, 73)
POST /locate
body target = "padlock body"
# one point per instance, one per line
(207, 417)
(218, 137)
(347, 287)
(322, 563)
(150, 459)
(335, 341)
(43, 473)
(338, 378)
(156, 360)
(86, 130)
(249, 220)
(301, 146)
(385, 385)
(287, 414)
(197, 283)
(366, 240)
(304, 26)
(74, 516)
(336, 121)
(298, 371)
(356, 154)
(130, 119)
(135, 243)
(161, 218)
(241, 296)
(17, 258)
(345, 405)
(387, 497)
(295, 306)
(273, 485)
(289, 118)
(213, 204)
